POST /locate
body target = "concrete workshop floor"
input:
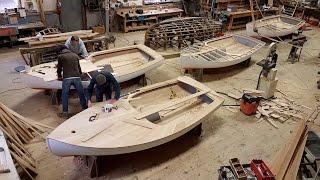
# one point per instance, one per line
(226, 135)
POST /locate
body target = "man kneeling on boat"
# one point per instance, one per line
(68, 63)
(104, 83)
(76, 45)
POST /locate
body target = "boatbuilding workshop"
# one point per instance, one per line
(160, 89)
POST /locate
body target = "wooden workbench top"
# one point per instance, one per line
(148, 12)
(7, 160)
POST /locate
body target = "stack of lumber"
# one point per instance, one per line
(19, 131)
(280, 110)
(285, 164)
(58, 38)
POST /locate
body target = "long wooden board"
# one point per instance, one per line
(283, 158)
(169, 104)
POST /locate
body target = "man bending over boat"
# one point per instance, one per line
(105, 84)
(68, 63)
(76, 45)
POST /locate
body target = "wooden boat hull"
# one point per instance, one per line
(274, 26)
(169, 32)
(148, 57)
(220, 52)
(181, 104)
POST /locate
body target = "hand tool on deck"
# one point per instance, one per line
(94, 117)
(109, 107)
(39, 71)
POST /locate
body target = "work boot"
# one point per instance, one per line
(63, 115)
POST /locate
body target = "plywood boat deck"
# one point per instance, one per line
(126, 63)
(181, 104)
(274, 26)
(220, 52)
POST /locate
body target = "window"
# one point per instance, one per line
(9, 4)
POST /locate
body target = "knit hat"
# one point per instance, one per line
(101, 79)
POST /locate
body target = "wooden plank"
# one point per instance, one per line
(22, 162)
(282, 159)
(7, 161)
(26, 120)
(11, 138)
(292, 171)
(22, 130)
(41, 12)
(141, 123)
(169, 104)
(9, 129)
(94, 133)
(24, 155)
(272, 123)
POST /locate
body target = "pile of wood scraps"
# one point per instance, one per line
(281, 110)
(19, 131)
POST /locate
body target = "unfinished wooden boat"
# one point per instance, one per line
(274, 26)
(220, 52)
(148, 117)
(58, 38)
(124, 63)
(181, 32)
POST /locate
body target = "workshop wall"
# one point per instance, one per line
(95, 19)
(48, 5)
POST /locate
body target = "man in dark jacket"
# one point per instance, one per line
(68, 63)
(105, 84)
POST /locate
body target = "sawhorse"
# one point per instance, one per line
(311, 155)
(96, 164)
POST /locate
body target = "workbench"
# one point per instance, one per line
(12, 175)
(31, 27)
(237, 15)
(10, 33)
(310, 14)
(131, 20)
(49, 52)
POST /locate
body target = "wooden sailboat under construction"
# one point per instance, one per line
(125, 63)
(220, 52)
(274, 26)
(148, 117)
(181, 32)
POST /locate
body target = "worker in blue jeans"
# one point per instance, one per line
(68, 63)
(105, 84)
